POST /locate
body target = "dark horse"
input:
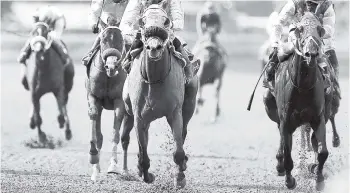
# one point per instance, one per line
(46, 73)
(298, 97)
(212, 68)
(155, 88)
(104, 86)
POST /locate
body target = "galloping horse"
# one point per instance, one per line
(104, 86)
(212, 68)
(46, 73)
(155, 88)
(297, 97)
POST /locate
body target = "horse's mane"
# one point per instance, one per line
(156, 31)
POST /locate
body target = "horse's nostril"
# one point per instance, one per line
(148, 47)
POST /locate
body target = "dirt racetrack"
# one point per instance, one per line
(235, 155)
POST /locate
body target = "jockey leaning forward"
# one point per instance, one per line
(57, 23)
(209, 17)
(174, 10)
(102, 14)
(292, 13)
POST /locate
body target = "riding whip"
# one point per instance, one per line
(252, 96)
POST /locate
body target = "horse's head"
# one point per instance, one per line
(155, 24)
(309, 32)
(40, 42)
(112, 47)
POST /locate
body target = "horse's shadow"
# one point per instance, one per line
(125, 176)
(49, 143)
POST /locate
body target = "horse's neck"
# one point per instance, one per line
(98, 65)
(211, 38)
(154, 71)
(303, 76)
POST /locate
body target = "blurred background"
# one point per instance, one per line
(243, 27)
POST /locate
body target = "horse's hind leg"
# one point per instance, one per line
(62, 118)
(118, 118)
(143, 162)
(36, 120)
(176, 123)
(320, 148)
(95, 111)
(336, 139)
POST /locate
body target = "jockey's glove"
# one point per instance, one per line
(95, 29)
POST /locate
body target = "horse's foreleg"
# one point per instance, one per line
(279, 156)
(217, 97)
(288, 161)
(144, 162)
(176, 123)
(336, 140)
(127, 125)
(320, 147)
(36, 120)
(200, 100)
(118, 118)
(95, 111)
(62, 117)
(307, 132)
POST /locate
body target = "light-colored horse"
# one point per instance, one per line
(212, 67)
(155, 88)
(104, 86)
(46, 73)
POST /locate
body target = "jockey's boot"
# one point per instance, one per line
(62, 51)
(271, 68)
(85, 60)
(135, 49)
(23, 56)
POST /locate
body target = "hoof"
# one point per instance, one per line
(291, 184)
(280, 170)
(150, 178)
(68, 134)
(180, 181)
(336, 142)
(113, 168)
(42, 137)
(320, 186)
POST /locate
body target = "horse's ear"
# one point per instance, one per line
(321, 31)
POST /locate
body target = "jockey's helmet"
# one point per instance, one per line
(315, 1)
(209, 5)
(147, 3)
(46, 15)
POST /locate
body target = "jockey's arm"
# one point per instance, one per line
(177, 15)
(58, 28)
(130, 17)
(199, 23)
(329, 23)
(285, 15)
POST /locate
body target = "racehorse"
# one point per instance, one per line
(46, 73)
(297, 97)
(212, 68)
(155, 88)
(104, 86)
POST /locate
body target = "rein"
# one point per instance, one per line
(160, 81)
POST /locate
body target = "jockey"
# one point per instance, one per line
(57, 23)
(209, 17)
(109, 12)
(291, 13)
(133, 11)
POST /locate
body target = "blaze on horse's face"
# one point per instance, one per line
(155, 24)
(112, 46)
(39, 41)
(310, 33)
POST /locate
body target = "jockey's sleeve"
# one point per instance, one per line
(177, 15)
(95, 11)
(329, 23)
(285, 15)
(59, 27)
(131, 15)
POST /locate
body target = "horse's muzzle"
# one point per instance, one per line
(311, 48)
